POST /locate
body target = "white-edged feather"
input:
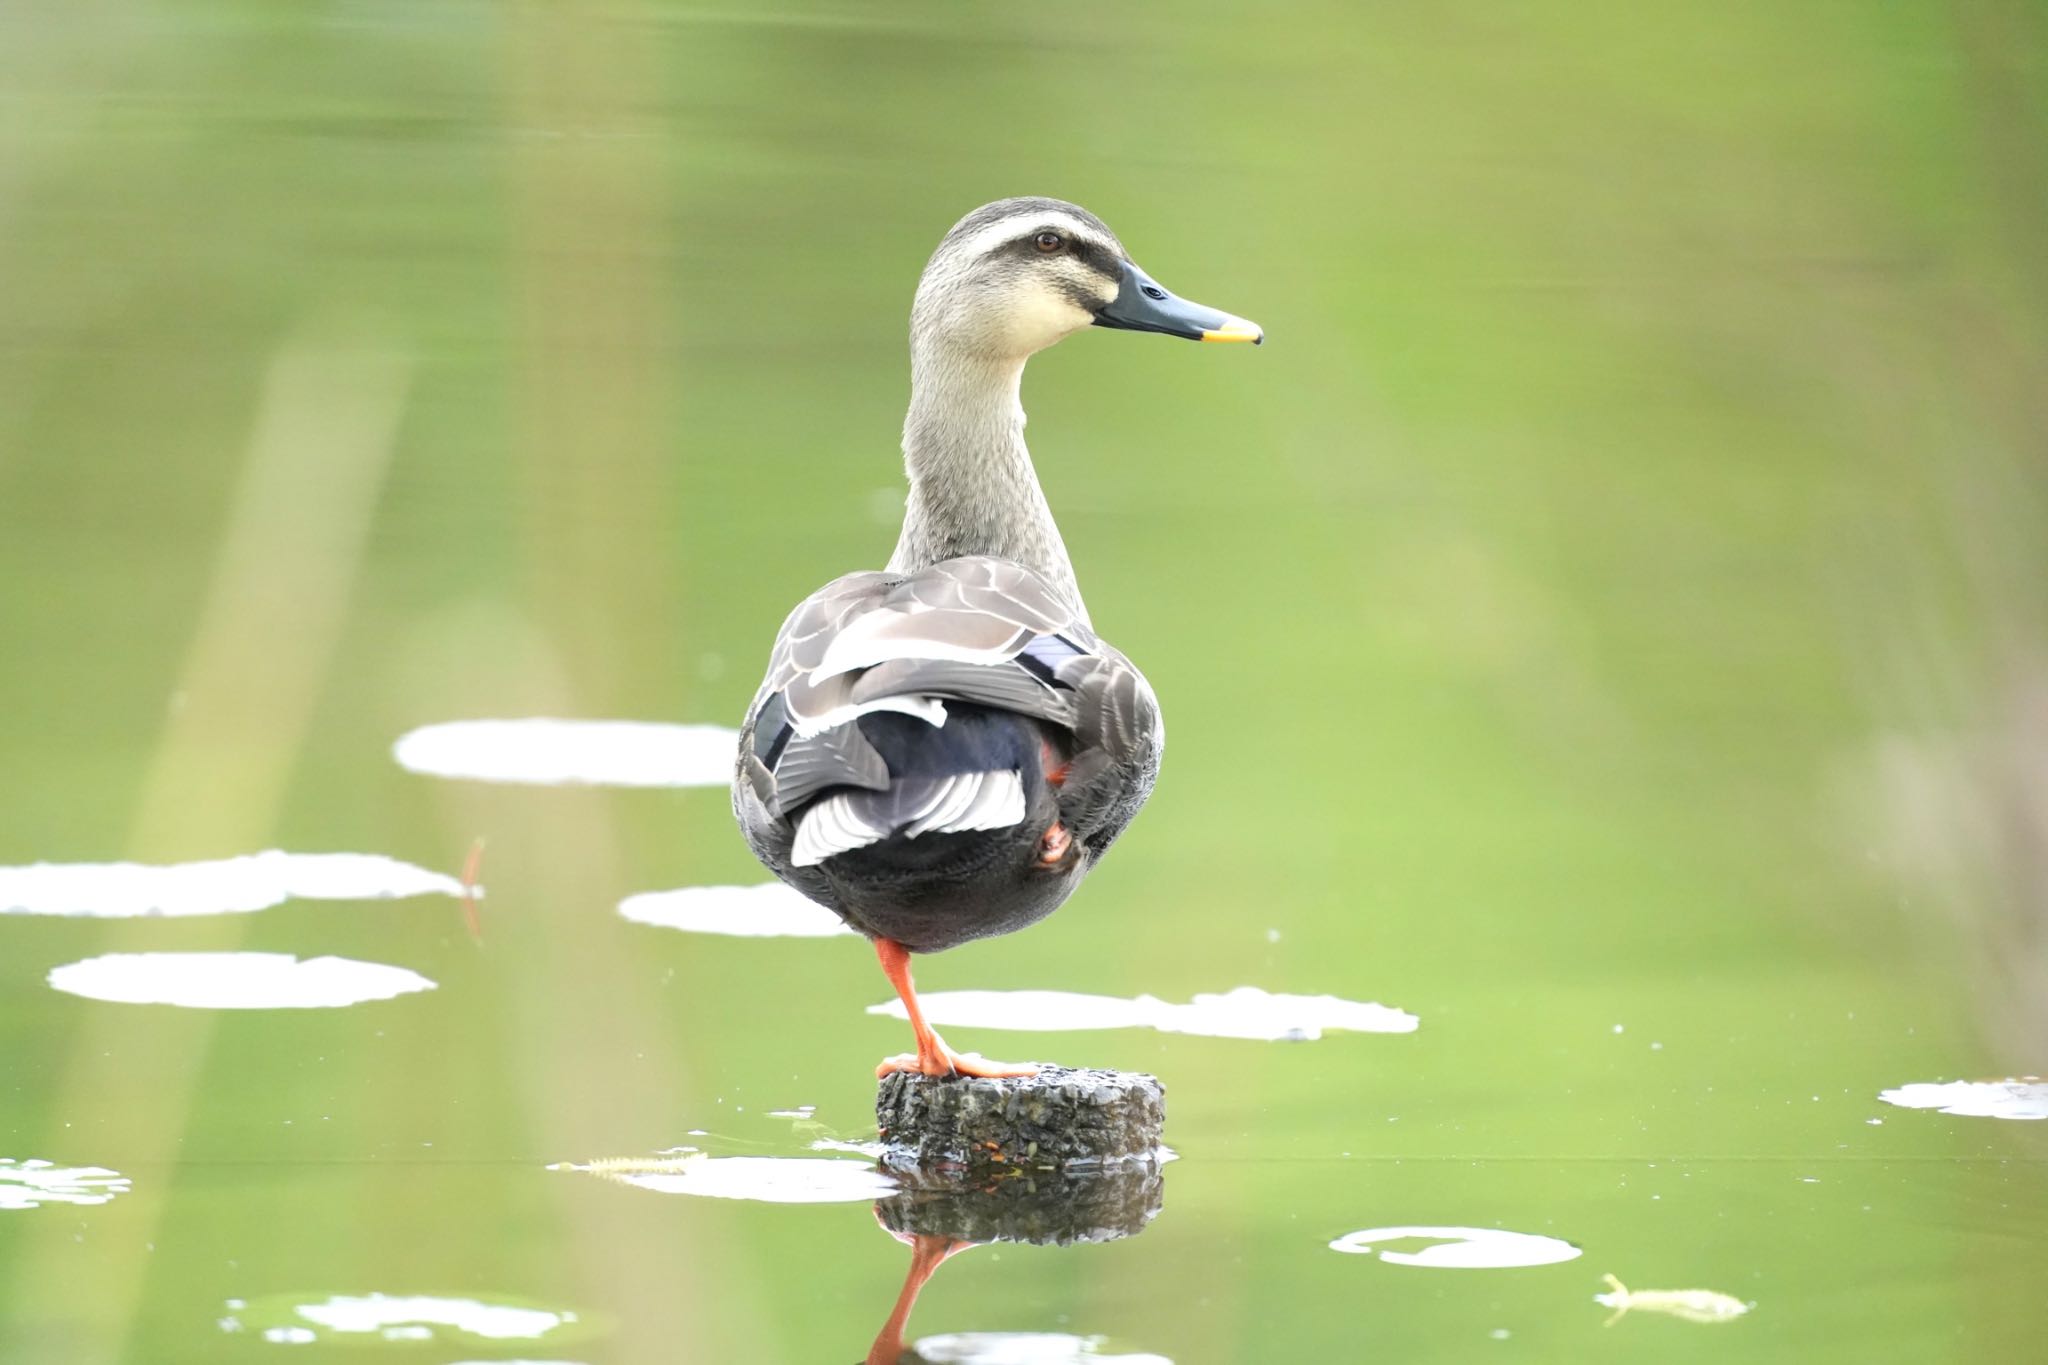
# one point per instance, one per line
(930, 710)
(922, 633)
(830, 827)
(999, 803)
(848, 820)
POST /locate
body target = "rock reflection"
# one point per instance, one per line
(545, 752)
(1246, 1012)
(1046, 1209)
(938, 1219)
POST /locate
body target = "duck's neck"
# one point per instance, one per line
(973, 490)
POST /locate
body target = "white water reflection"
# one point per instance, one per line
(1246, 1012)
(234, 981)
(763, 1179)
(31, 1183)
(254, 881)
(872, 1150)
(1459, 1248)
(1022, 1348)
(2025, 1097)
(538, 750)
(390, 1317)
(766, 910)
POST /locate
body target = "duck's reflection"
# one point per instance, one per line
(938, 1221)
(928, 1251)
(936, 1212)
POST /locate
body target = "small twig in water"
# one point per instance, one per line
(1692, 1305)
(471, 866)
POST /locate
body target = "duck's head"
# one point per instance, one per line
(1015, 276)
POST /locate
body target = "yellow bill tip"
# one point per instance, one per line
(1236, 331)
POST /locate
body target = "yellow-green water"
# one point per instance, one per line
(1606, 620)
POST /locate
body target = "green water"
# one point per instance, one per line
(1604, 620)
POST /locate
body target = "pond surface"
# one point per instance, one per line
(1593, 907)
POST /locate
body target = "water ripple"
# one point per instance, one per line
(253, 881)
(2024, 1097)
(763, 1179)
(766, 910)
(1022, 1348)
(234, 981)
(392, 1317)
(1460, 1248)
(1246, 1012)
(547, 752)
(31, 1183)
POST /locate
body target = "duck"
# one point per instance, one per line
(942, 749)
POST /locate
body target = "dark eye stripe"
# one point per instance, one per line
(1099, 259)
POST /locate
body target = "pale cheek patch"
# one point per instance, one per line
(1041, 317)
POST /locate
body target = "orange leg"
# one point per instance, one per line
(927, 1253)
(932, 1057)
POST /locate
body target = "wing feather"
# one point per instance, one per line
(933, 633)
(838, 757)
(973, 629)
(1008, 688)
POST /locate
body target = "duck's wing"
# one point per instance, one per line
(973, 629)
(1120, 737)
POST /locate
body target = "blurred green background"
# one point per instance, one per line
(1606, 619)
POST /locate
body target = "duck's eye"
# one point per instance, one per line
(1048, 241)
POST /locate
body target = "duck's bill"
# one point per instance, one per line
(1142, 305)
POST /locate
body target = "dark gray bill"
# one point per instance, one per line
(1141, 305)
